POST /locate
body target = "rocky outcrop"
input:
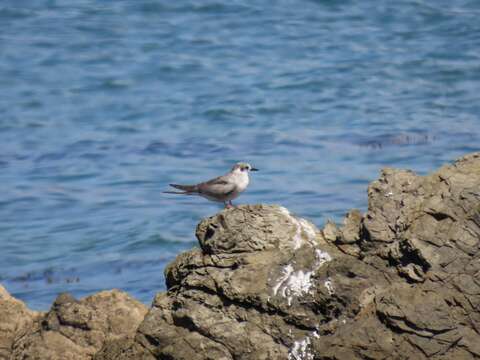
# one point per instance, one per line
(16, 321)
(72, 329)
(251, 291)
(426, 229)
(398, 282)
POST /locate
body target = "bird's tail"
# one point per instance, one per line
(187, 189)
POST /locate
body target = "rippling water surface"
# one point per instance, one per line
(103, 103)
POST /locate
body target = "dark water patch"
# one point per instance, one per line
(70, 226)
(114, 84)
(305, 193)
(298, 143)
(92, 156)
(19, 200)
(401, 139)
(12, 13)
(156, 147)
(65, 196)
(82, 145)
(129, 183)
(48, 277)
(75, 177)
(272, 110)
(219, 114)
(133, 115)
(33, 104)
(51, 157)
(213, 8)
(312, 85)
(150, 8)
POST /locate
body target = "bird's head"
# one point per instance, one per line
(243, 167)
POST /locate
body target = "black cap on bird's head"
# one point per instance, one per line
(242, 166)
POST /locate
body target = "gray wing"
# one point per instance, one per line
(218, 187)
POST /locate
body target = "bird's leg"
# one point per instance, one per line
(228, 205)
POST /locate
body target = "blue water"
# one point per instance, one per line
(103, 103)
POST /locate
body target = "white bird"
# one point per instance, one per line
(224, 188)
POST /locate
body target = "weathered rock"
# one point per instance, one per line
(16, 321)
(399, 282)
(77, 329)
(427, 229)
(263, 284)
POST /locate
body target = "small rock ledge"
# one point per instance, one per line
(398, 282)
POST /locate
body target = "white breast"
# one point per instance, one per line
(242, 180)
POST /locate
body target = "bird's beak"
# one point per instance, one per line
(253, 169)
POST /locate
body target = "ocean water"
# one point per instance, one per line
(103, 103)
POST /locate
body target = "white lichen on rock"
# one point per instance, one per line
(304, 230)
(329, 285)
(309, 230)
(286, 272)
(301, 350)
(322, 257)
(294, 283)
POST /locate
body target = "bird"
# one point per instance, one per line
(223, 189)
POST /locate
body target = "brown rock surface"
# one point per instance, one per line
(16, 321)
(78, 329)
(248, 292)
(399, 282)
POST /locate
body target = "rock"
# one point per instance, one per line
(350, 232)
(78, 329)
(349, 235)
(427, 229)
(262, 286)
(16, 320)
(331, 232)
(398, 282)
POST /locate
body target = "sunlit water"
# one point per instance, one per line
(103, 103)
